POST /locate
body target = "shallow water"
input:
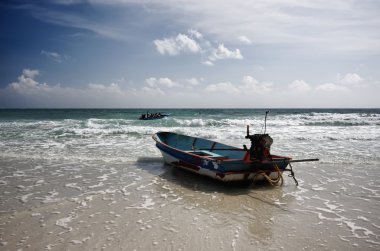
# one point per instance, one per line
(93, 180)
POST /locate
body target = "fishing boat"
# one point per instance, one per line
(223, 162)
(152, 116)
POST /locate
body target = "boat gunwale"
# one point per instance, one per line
(189, 153)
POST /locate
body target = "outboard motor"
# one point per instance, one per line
(260, 146)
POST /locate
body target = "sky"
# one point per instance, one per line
(190, 54)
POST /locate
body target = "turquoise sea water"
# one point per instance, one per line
(92, 179)
(334, 135)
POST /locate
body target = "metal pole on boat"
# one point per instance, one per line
(265, 122)
(291, 161)
(302, 160)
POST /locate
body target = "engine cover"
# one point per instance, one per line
(260, 146)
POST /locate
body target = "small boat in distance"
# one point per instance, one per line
(224, 162)
(152, 116)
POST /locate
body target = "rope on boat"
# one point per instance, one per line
(272, 181)
(292, 174)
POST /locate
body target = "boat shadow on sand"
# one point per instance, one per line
(198, 183)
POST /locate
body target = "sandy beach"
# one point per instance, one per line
(149, 206)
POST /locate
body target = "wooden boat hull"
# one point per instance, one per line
(213, 159)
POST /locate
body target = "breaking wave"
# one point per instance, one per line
(101, 133)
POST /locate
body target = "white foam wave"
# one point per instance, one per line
(148, 203)
(111, 139)
(63, 222)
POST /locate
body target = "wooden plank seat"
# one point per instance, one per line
(207, 154)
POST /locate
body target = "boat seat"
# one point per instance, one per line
(206, 153)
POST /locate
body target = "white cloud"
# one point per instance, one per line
(28, 73)
(195, 43)
(111, 88)
(194, 81)
(26, 83)
(63, 17)
(350, 79)
(163, 82)
(244, 40)
(208, 63)
(223, 53)
(151, 82)
(225, 87)
(153, 90)
(330, 87)
(55, 56)
(166, 82)
(174, 46)
(29, 92)
(195, 33)
(97, 86)
(299, 85)
(250, 84)
(348, 82)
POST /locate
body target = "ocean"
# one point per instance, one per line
(92, 179)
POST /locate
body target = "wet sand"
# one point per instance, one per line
(146, 205)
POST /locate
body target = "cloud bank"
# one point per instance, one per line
(188, 93)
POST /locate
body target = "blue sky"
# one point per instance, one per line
(190, 54)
